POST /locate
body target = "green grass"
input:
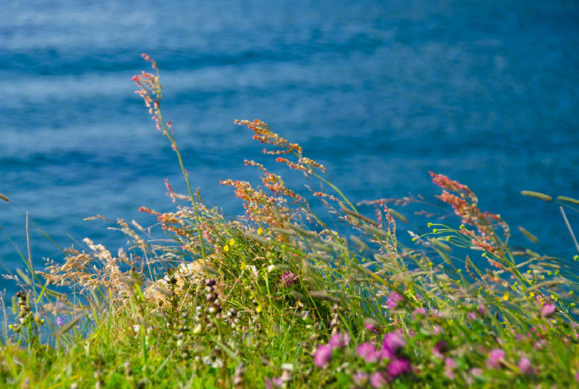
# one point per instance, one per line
(267, 298)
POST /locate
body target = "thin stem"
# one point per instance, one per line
(186, 175)
(569, 227)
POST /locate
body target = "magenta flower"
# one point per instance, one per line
(471, 315)
(368, 352)
(418, 311)
(394, 300)
(372, 326)
(481, 309)
(548, 309)
(288, 279)
(339, 341)
(391, 344)
(495, 357)
(440, 348)
(436, 330)
(378, 380)
(322, 355)
(273, 383)
(398, 366)
(449, 365)
(525, 366)
(360, 378)
(476, 372)
(577, 376)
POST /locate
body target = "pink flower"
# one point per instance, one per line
(378, 380)
(372, 326)
(525, 366)
(360, 378)
(418, 312)
(440, 348)
(481, 309)
(449, 365)
(476, 372)
(471, 315)
(548, 309)
(398, 366)
(436, 330)
(577, 376)
(394, 300)
(495, 357)
(339, 341)
(288, 279)
(393, 342)
(322, 355)
(368, 352)
(273, 383)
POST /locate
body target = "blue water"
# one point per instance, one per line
(378, 91)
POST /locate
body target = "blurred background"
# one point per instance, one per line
(379, 91)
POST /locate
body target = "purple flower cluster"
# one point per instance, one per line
(440, 348)
(496, 357)
(548, 309)
(525, 366)
(273, 383)
(390, 350)
(372, 326)
(324, 353)
(288, 279)
(394, 300)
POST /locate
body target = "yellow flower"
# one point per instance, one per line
(242, 265)
(259, 231)
(231, 242)
(258, 309)
(532, 295)
(226, 248)
(506, 296)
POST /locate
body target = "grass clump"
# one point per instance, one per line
(278, 299)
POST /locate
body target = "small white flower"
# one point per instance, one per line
(137, 328)
(287, 366)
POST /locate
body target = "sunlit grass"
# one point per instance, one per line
(278, 298)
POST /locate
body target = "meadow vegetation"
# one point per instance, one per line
(283, 298)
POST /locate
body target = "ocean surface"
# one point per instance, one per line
(380, 92)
